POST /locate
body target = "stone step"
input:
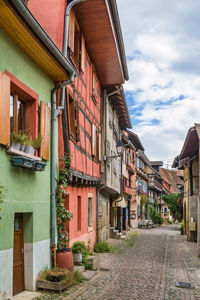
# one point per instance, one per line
(81, 269)
(89, 274)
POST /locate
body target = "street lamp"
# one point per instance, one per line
(120, 150)
(120, 147)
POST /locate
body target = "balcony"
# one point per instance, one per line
(155, 185)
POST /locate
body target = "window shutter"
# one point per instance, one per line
(99, 146)
(44, 130)
(71, 30)
(83, 54)
(93, 140)
(77, 122)
(4, 109)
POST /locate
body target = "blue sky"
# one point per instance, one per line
(162, 42)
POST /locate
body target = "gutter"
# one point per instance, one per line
(36, 28)
(116, 20)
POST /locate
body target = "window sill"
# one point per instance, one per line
(90, 229)
(21, 153)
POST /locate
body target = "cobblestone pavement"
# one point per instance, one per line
(149, 270)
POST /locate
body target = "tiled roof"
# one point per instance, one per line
(172, 177)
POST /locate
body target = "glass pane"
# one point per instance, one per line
(22, 115)
(11, 113)
(17, 225)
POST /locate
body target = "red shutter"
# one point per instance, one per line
(4, 109)
(71, 30)
(44, 130)
(94, 140)
(83, 52)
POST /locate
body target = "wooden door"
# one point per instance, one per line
(18, 255)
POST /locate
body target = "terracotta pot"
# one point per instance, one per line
(64, 259)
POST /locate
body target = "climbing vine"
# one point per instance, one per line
(144, 199)
(175, 205)
(63, 215)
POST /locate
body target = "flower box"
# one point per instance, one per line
(52, 286)
(23, 162)
(40, 166)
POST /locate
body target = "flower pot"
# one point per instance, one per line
(64, 259)
(22, 147)
(77, 257)
(29, 150)
(15, 146)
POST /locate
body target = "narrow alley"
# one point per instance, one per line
(149, 270)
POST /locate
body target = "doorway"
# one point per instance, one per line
(18, 255)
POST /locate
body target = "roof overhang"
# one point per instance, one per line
(99, 21)
(16, 21)
(191, 144)
(119, 103)
(135, 140)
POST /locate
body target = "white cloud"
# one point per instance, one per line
(162, 40)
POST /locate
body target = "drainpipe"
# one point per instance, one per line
(65, 41)
(54, 114)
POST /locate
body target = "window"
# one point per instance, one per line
(114, 163)
(96, 143)
(79, 213)
(76, 43)
(73, 117)
(18, 114)
(19, 111)
(94, 86)
(90, 221)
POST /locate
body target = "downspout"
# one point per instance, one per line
(55, 111)
(54, 114)
(65, 41)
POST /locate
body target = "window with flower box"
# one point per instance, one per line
(19, 111)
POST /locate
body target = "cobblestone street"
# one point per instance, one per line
(149, 270)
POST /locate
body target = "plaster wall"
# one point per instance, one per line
(28, 192)
(104, 213)
(113, 168)
(86, 233)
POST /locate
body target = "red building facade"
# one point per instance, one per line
(95, 48)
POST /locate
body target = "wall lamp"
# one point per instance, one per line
(120, 150)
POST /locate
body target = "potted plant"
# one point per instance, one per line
(55, 279)
(79, 251)
(29, 149)
(36, 143)
(15, 140)
(64, 256)
(23, 138)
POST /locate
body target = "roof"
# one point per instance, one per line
(20, 25)
(118, 101)
(135, 140)
(99, 21)
(191, 144)
(172, 178)
(156, 163)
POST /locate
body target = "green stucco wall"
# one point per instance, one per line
(27, 191)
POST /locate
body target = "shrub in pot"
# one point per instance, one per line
(80, 251)
(15, 140)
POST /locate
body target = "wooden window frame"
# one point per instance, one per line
(94, 85)
(73, 116)
(29, 96)
(79, 210)
(90, 213)
(96, 143)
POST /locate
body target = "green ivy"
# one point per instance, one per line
(63, 215)
(174, 203)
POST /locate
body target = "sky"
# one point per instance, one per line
(162, 43)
